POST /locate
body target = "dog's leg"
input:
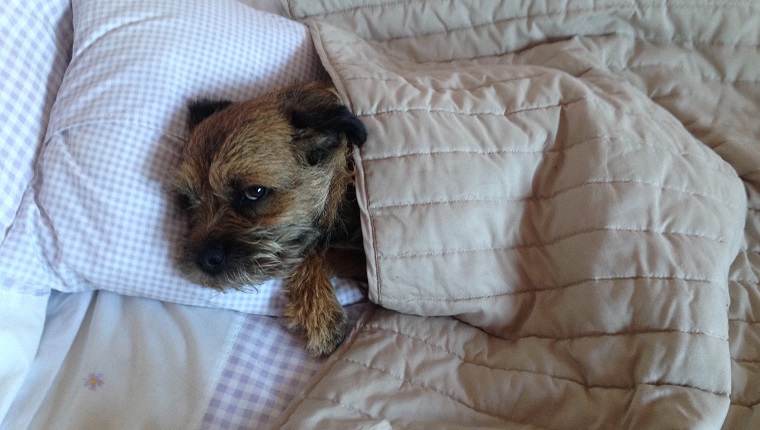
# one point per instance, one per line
(313, 307)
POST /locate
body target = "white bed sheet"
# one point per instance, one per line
(111, 361)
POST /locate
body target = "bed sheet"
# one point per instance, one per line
(111, 361)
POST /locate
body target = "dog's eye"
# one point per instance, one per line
(256, 193)
(185, 202)
(247, 199)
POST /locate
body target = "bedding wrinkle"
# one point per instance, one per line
(529, 337)
(427, 388)
(81, 46)
(398, 327)
(407, 380)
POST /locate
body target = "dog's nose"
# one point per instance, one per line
(211, 259)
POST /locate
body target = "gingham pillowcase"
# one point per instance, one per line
(35, 47)
(117, 128)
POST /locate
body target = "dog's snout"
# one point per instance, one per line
(212, 258)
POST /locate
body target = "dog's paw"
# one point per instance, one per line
(324, 339)
(322, 325)
(313, 307)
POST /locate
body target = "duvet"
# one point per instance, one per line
(559, 204)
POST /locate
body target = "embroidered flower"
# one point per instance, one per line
(94, 381)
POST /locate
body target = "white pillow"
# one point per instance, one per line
(106, 218)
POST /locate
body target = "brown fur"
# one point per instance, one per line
(294, 148)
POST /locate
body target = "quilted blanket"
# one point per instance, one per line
(560, 213)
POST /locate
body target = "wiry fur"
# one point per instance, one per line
(297, 144)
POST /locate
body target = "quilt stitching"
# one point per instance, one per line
(732, 8)
(640, 146)
(698, 6)
(548, 242)
(558, 287)
(721, 80)
(392, 111)
(560, 192)
(611, 66)
(622, 5)
(343, 405)
(429, 86)
(553, 338)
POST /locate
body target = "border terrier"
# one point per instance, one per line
(268, 189)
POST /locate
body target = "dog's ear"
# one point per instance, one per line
(202, 109)
(333, 124)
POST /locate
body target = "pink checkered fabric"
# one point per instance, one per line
(35, 48)
(267, 368)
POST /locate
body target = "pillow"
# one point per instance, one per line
(106, 218)
(33, 56)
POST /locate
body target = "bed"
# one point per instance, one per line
(560, 208)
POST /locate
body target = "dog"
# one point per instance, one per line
(268, 189)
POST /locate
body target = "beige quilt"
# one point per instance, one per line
(561, 214)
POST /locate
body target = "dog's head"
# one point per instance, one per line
(262, 182)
